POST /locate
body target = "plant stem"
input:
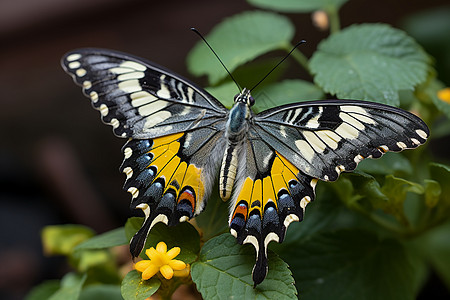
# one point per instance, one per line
(335, 23)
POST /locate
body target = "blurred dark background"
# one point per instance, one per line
(58, 163)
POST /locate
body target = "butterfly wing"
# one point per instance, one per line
(138, 98)
(290, 147)
(270, 194)
(324, 138)
(175, 132)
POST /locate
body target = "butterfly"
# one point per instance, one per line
(181, 139)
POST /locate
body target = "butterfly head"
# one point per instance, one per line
(244, 97)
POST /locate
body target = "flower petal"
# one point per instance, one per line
(151, 252)
(142, 265)
(172, 253)
(150, 272)
(182, 273)
(177, 264)
(161, 247)
(166, 271)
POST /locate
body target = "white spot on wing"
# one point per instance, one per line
(305, 149)
(130, 86)
(80, 72)
(73, 57)
(289, 219)
(305, 200)
(145, 208)
(104, 110)
(358, 158)
(252, 240)
(131, 75)
(163, 91)
(352, 121)
(87, 84)
(157, 118)
(140, 98)
(314, 141)
(160, 218)
(129, 172)
(347, 131)
(133, 191)
(401, 145)
(115, 123)
(384, 148)
(94, 96)
(422, 134)
(133, 65)
(415, 141)
(150, 108)
(127, 152)
(272, 236)
(329, 137)
(74, 65)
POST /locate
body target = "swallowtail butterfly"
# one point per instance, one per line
(180, 138)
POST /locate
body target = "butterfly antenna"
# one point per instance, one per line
(290, 52)
(206, 42)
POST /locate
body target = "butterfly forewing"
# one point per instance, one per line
(138, 98)
(324, 138)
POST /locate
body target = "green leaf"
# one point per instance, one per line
(62, 239)
(213, 220)
(184, 235)
(432, 192)
(285, 92)
(298, 6)
(363, 186)
(224, 93)
(133, 288)
(92, 258)
(224, 271)
(397, 188)
(108, 239)
(390, 163)
(70, 288)
(441, 174)
(44, 290)
(369, 62)
(436, 245)
(238, 40)
(101, 292)
(351, 264)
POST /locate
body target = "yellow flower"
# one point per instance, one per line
(444, 94)
(163, 261)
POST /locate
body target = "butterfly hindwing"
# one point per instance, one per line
(170, 177)
(138, 98)
(269, 195)
(324, 138)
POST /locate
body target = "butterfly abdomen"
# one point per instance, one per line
(236, 129)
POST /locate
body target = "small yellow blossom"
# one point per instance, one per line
(444, 94)
(163, 261)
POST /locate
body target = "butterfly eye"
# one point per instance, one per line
(236, 97)
(251, 101)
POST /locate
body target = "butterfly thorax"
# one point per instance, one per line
(238, 122)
